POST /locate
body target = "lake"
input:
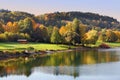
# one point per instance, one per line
(102, 64)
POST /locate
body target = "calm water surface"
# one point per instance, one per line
(74, 65)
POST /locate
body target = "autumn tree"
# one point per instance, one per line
(102, 35)
(15, 27)
(62, 30)
(41, 34)
(117, 34)
(69, 26)
(71, 32)
(3, 37)
(34, 24)
(72, 37)
(11, 27)
(83, 29)
(111, 36)
(90, 37)
(8, 27)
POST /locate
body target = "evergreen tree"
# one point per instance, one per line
(76, 29)
(1, 28)
(26, 26)
(56, 37)
(75, 25)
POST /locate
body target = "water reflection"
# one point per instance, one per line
(75, 64)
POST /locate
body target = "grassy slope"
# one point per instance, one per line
(37, 46)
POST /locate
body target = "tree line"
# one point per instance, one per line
(73, 33)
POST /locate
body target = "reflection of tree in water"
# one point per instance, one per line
(2, 71)
(72, 59)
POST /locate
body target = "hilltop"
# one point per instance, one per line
(90, 19)
(61, 18)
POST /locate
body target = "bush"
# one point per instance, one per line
(30, 48)
(3, 38)
(103, 45)
(13, 37)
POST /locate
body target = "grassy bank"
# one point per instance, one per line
(37, 46)
(114, 44)
(111, 44)
(16, 50)
(43, 46)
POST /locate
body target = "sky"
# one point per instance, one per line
(103, 7)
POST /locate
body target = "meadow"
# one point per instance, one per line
(36, 46)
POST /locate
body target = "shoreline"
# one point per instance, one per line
(5, 55)
(33, 52)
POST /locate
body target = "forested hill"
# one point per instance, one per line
(59, 27)
(91, 19)
(13, 16)
(61, 18)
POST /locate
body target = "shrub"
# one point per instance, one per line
(103, 45)
(30, 48)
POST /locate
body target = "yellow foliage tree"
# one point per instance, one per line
(11, 27)
(62, 30)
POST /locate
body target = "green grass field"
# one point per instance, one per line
(43, 46)
(37, 46)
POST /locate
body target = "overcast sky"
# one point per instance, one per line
(103, 7)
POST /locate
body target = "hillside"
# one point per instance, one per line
(60, 18)
(91, 19)
(6, 16)
(59, 27)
